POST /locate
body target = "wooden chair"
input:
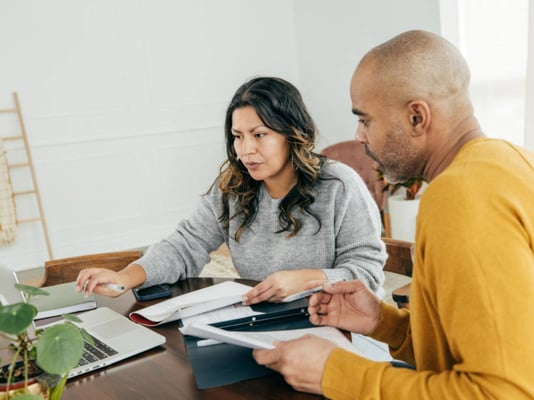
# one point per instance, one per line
(399, 262)
(67, 269)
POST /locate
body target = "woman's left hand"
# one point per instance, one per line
(281, 284)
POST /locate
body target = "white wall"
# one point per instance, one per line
(332, 36)
(124, 100)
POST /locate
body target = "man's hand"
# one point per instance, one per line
(346, 305)
(300, 361)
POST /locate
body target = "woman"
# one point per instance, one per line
(287, 214)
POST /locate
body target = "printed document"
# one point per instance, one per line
(192, 303)
(265, 339)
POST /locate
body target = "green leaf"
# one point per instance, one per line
(71, 318)
(31, 290)
(16, 318)
(59, 349)
(87, 337)
(27, 396)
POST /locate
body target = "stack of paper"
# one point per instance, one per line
(192, 303)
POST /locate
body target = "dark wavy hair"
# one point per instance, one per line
(280, 107)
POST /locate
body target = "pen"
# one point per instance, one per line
(309, 292)
(114, 286)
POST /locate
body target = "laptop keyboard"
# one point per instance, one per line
(95, 351)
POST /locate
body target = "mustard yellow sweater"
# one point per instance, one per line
(470, 329)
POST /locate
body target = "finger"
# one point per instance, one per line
(317, 319)
(258, 293)
(95, 284)
(268, 295)
(265, 357)
(319, 298)
(81, 280)
(89, 286)
(343, 287)
(314, 283)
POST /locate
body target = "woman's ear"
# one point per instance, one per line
(420, 117)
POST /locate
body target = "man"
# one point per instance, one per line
(469, 329)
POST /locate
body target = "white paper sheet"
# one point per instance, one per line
(198, 301)
(265, 339)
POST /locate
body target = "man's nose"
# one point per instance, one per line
(360, 135)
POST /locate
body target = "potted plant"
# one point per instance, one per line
(41, 360)
(402, 206)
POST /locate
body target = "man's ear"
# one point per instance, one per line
(420, 118)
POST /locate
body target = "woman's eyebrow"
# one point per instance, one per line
(250, 130)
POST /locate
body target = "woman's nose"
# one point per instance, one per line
(248, 145)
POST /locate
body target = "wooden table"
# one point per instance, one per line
(165, 372)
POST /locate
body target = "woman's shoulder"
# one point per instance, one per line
(336, 169)
(214, 193)
(336, 176)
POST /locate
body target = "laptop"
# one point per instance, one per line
(115, 336)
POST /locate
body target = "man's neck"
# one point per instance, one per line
(445, 151)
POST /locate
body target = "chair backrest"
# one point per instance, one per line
(399, 261)
(352, 153)
(399, 256)
(67, 269)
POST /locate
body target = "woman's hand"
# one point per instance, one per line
(95, 280)
(346, 305)
(281, 284)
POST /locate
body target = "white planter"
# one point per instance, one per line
(402, 216)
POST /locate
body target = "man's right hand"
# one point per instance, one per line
(346, 305)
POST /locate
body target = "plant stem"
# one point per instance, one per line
(11, 369)
(57, 391)
(25, 357)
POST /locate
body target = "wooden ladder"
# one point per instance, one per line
(34, 189)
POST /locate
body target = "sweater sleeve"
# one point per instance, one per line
(349, 376)
(394, 329)
(186, 250)
(360, 252)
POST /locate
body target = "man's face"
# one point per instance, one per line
(383, 129)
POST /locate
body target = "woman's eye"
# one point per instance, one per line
(236, 137)
(260, 134)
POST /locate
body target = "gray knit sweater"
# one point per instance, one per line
(348, 245)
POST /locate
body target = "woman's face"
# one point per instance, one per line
(264, 152)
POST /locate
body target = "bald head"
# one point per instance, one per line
(411, 95)
(418, 64)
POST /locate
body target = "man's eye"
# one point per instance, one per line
(364, 122)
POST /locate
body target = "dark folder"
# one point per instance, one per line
(223, 364)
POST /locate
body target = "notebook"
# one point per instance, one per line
(62, 299)
(116, 337)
